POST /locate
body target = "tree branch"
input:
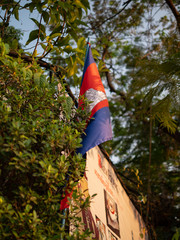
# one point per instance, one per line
(113, 16)
(109, 77)
(175, 12)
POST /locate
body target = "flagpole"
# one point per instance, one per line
(87, 48)
(64, 220)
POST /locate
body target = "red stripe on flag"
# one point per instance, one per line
(91, 80)
(98, 106)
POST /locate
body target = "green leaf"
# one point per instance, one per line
(32, 36)
(176, 236)
(43, 46)
(37, 78)
(6, 48)
(81, 42)
(64, 41)
(43, 81)
(39, 25)
(79, 60)
(14, 44)
(15, 234)
(95, 52)
(28, 208)
(34, 215)
(31, 6)
(141, 235)
(86, 3)
(45, 16)
(16, 13)
(23, 69)
(39, 6)
(73, 34)
(68, 49)
(29, 74)
(80, 4)
(57, 29)
(55, 35)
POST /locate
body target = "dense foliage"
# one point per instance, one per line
(39, 128)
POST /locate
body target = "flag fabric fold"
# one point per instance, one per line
(99, 127)
(64, 202)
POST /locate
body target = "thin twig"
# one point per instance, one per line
(113, 16)
(38, 37)
(158, 9)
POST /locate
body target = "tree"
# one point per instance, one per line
(39, 128)
(139, 60)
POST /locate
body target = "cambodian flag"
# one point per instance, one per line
(99, 128)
